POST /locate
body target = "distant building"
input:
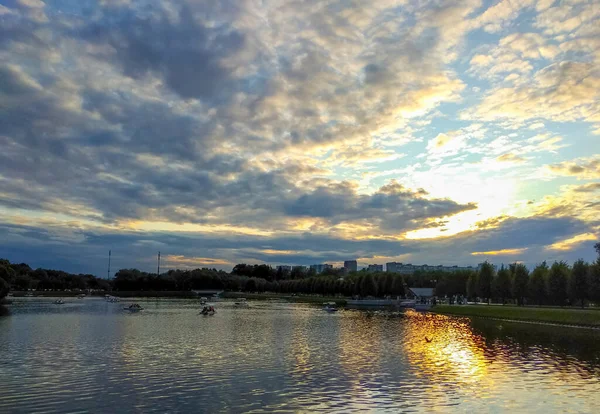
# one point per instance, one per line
(351, 265)
(375, 268)
(408, 268)
(284, 268)
(319, 268)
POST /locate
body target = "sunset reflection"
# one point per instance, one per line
(454, 352)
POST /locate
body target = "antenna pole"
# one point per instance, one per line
(108, 273)
(158, 269)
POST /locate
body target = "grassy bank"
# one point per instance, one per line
(564, 316)
(295, 298)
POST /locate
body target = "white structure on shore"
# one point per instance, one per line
(408, 268)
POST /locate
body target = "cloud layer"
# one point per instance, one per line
(341, 126)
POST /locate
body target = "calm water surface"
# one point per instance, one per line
(90, 355)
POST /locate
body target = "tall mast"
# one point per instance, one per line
(108, 273)
(158, 269)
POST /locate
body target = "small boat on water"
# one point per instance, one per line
(208, 310)
(133, 308)
(59, 302)
(241, 303)
(330, 307)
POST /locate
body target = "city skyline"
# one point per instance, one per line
(298, 132)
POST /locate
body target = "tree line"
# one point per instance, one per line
(556, 284)
(19, 276)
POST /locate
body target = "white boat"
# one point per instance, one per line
(330, 307)
(59, 302)
(133, 308)
(241, 302)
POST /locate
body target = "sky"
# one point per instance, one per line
(298, 132)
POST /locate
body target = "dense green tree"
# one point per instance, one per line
(398, 286)
(578, 282)
(21, 268)
(250, 285)
(538, 284)
(368, 286)
(484, 280)
(6, 272)
(520, 281)
(557, 283)
(389, 284)
(594, 283)
(3, 288)
(472, 286)
(298, 273)
(23, 282)
(502, 285)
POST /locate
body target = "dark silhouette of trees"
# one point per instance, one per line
(250, 285)
(6, 272)
(368, 286)
(594, 282)
(520, 281)
(298, 273)
(3, 288)
(484, 281)
(472, 286)
(538, 284)
(557, 283)
(553, 285)
(578, 282)
(502, 285)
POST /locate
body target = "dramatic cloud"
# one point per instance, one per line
(296, 131)
(585, 168)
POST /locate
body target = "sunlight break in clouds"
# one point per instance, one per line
(296, 132)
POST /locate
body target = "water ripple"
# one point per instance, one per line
(92, 356)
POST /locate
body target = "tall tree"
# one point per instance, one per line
(578, 282)
(538, 284)
(484, 281)
(502, 285)
(6, 272)
(472, 285)
(250, 285)
(594, 282)
(520, 280)
(398, 286)
(3, 288)
(557, 283)
(368, 286)
(597, 248)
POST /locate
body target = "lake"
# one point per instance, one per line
(90, 355)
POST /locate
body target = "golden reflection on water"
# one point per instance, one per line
(454, 352)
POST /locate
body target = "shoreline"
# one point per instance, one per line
(565, 317)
